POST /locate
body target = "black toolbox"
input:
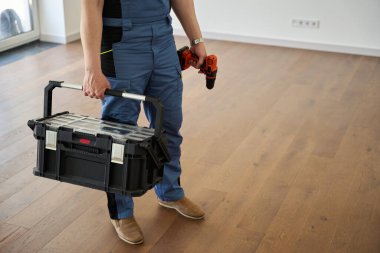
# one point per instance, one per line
(104, 155)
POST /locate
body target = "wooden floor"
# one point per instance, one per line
(283, 155)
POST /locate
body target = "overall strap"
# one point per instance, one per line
(124, 8)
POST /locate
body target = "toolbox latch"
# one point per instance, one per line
(51, 140)
(117, 153)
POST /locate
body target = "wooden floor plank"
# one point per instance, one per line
(16, 163)
(25, 197)
(360, 209)
(53, 224)
(42, 207)
(328, 205)
(9, 233)
(16, 183)
(92, 226)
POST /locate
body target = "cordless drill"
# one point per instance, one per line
(209, 66)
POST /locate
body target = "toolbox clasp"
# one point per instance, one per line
(117, 155)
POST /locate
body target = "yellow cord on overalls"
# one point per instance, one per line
(106, 52)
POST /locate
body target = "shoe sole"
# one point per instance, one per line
(130, 242)
(183, 214)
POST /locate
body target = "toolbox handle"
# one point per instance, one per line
(48, 96)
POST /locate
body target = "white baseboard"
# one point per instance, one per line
(288, 43)
(60, 39)
(73, 37)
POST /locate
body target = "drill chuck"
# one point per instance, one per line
(210, 79)
(210, 83)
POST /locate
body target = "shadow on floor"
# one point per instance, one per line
(23, 51)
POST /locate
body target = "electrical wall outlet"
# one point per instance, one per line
(306, 23)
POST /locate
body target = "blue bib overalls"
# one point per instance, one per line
(146, 62)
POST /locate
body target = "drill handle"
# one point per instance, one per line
(195, 59)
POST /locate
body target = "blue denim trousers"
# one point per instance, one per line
(146, 63)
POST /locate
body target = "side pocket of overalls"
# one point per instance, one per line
(179, 81)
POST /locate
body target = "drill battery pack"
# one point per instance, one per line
(104, 155)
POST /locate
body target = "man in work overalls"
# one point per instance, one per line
(129, 45)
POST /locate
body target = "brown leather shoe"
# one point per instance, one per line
(128, 230)
(185, 207)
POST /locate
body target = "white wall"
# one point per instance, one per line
(59, 20)
(72, 19)
(52, 23)
(350, 26)
(345, 25)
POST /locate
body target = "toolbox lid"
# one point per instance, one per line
(84, 124)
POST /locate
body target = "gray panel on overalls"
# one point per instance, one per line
(146, 62)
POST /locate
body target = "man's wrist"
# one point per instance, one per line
(93, 67)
